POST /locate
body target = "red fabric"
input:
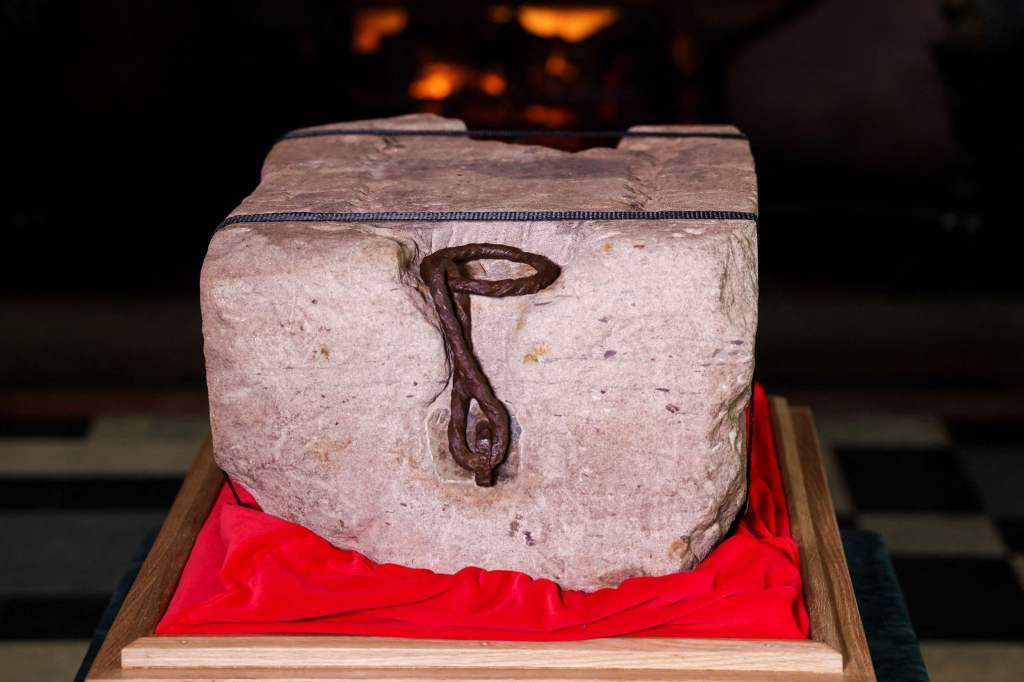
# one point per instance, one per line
(250, 572)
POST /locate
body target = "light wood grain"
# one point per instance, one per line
(828, 589)
(813, 570)
(829, 547)
(454, 675)
(837, 652)
(353, 652)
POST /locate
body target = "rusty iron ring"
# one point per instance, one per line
(450, 289)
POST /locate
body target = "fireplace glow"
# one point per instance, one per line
(438, 80)
(501, 14)
(492, 84)
(371, 26)
(559, 66)
(684, 54)
(536, 64)
(571, 24)
(548, 116)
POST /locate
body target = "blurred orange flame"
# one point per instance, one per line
(501, 14)
(558, 66)
(571, 24)
(371, 26)
(438, 80)
(551, 117)
(492, 84)
(684, 54)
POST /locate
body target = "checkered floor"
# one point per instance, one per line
(77, 496)
(947, 497)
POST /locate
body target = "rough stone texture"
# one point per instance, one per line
(626, 379)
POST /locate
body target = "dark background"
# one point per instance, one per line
(888, 146)
(885, 136)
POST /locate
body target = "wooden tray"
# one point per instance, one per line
(837, 650)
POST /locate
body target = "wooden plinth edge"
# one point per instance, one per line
(828, 589)
(837, 651)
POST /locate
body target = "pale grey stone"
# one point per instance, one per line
(627, 378)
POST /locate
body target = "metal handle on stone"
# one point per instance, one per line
(450, 290)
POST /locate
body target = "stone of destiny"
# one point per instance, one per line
(625, 380)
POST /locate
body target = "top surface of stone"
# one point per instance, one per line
(369, 173)
(626, 379)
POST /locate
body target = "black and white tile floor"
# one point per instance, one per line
(947, 497)
(77, 495)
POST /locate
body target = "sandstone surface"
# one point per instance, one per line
(626, 379)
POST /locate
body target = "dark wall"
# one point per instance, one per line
(134, 127)
(885, 137)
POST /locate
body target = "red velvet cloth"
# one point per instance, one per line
(250, 572)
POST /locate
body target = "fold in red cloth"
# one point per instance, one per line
(252, 573)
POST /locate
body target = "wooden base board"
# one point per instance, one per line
(837, 650)
(349, 652)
